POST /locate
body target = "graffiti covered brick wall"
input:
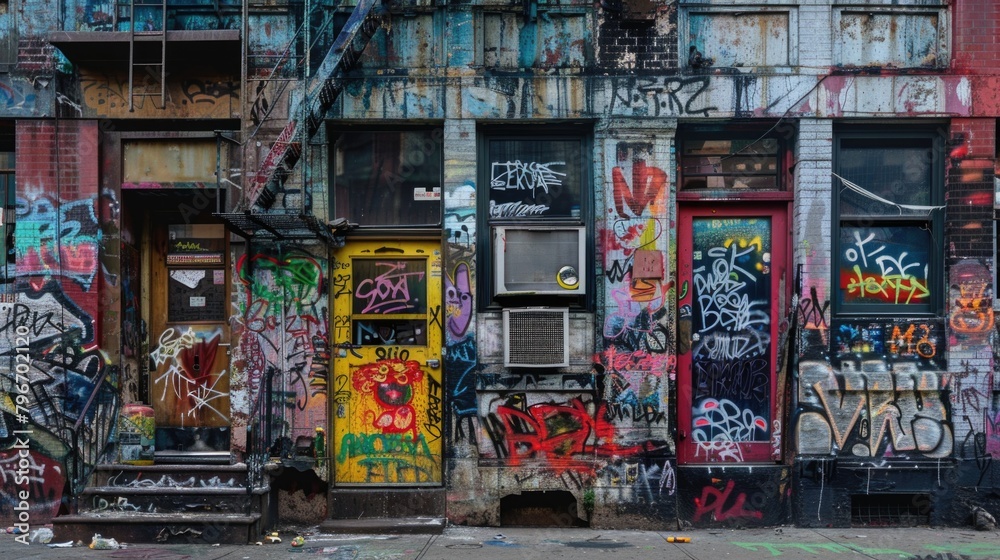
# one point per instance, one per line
(58, 386)
(281, 321)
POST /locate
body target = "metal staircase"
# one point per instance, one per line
(307, 104)
(307, 112)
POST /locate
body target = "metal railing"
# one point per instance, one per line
(260, 433)
(90, 436)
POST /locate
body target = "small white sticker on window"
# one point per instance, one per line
(197, 301)
(424, 194)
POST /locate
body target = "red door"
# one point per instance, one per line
(731, 267)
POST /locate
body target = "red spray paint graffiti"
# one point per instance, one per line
(648, 183)
(713, 501)
(391, 382)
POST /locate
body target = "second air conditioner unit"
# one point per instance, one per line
(536, 337)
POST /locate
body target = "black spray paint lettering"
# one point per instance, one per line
(666, 97)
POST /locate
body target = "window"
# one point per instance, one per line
(740, 164)
(7, 212)
(537, 196)
(888, 197)
(196, 289)
(744, 37)
(388, 178)
(400, 320)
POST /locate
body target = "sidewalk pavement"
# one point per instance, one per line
(484, 543)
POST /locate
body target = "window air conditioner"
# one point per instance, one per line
(536, 337)
(540, 261)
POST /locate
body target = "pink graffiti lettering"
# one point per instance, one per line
(388, 292)
(640, 360)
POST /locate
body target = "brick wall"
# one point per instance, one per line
(974, 33)
(624, 44)
(978, 136)
(57, 228)
(813, 199)
(35, 56)
(969, 217)
(815, 37)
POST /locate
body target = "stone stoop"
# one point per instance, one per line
(168, 504)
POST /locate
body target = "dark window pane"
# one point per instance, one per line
(535, 178)
(884, 265)
(196, 295)
(388, 178)
(741, 164)
(898, 174)
(8, 209)
(382, 332)
(390, 286)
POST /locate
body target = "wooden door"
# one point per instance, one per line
(731, 266)
(189, 338)
(388, 402)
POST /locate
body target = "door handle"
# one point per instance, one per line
(434, 363)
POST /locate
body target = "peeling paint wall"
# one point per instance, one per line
(902, 39)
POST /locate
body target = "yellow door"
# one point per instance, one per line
(388, 394)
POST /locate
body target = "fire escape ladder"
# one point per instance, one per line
(321, 90)
(147, 51)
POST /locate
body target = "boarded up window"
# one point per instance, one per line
(742, 38)
(883, 38)
(556, 41)
(415, 42)
(169, 161)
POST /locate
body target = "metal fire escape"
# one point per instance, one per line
(253, 214)
(147, 48)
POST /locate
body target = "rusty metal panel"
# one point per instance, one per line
(501, 34)
(415, 42)
(554, 41)
(270, 35)
(169, 161)
(885, 38)
(759, 38)
(562, 41)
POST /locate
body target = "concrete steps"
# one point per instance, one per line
(168, 503)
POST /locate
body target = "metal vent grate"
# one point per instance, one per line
(536, 337)
(890, 510)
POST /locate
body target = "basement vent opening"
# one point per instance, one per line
(890, 510)
(555, 508)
